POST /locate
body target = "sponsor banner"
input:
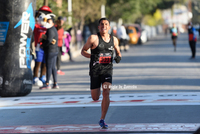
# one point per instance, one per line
(3, 32)
(27, 21)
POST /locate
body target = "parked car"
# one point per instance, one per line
(139, 32)
(143, 37)
(148, 31)
(133, 35)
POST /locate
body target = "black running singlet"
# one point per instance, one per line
(102, 57)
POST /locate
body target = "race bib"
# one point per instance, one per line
(104, 58)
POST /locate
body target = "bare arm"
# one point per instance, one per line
(88, 45)
(116, 47)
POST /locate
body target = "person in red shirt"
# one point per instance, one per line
(61, 36)
(40, 57)
(192, 37)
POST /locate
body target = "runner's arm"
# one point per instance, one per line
(87, 46)
(116, 47)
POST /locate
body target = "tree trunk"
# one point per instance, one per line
(45, 3)
(59, 4)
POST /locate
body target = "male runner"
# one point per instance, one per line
(174, 32)
(102, 45)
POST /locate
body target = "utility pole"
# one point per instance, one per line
(190, 10)
(70, 12)
(103, 14)
(45, 3)
(59, 4)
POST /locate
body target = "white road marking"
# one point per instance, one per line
(145, 127)
(136, 99)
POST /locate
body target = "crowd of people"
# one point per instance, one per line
(50, 41)
(41, 48)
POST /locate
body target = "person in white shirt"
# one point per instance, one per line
(122, 35)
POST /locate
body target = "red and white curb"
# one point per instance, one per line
(162, 127)
(186, 98)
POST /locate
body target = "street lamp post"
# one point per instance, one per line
(103, 11)
(45, 3)
(70, 12)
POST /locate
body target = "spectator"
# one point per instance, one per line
(40, 57)
(61, 36)
(86, 33)
(79, 38)
(122, 35)
(66, 47)
(192, 39)
(114, 31)
(50, 46)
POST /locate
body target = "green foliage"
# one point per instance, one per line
(87, 9)
(129, 10)
(52, 4)
(82, 10)
(153, 20)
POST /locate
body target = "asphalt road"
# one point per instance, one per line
(153, 86)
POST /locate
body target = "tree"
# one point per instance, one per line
(86, 10)
(129, 10)
(45, 2)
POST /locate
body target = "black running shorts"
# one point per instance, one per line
(97, 80)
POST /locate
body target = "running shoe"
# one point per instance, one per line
(37, 82)
(103, 124)
(43, 79)
(35, 79)
(45, 87)
(55, 86)
(60, 72)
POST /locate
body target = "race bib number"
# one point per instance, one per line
(104, 58)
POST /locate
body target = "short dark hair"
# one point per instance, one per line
(60, 18)
(104, 19)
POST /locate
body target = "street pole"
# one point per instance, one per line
(103, 11)
(70, 12)
(45, 3)
(59, 5)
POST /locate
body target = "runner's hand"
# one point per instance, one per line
(117, 59)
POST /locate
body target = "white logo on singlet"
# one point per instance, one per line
(111, 48)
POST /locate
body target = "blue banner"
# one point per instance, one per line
(3, 32)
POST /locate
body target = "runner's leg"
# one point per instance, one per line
(106, 100)
(95, 93)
